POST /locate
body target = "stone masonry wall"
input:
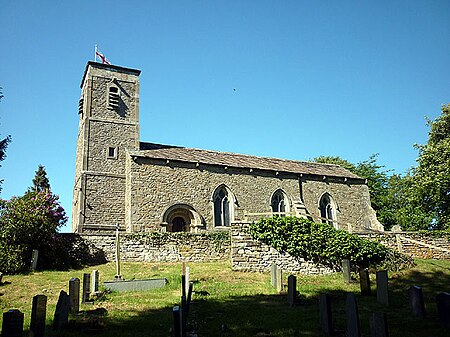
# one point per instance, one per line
(250, 255)
(164, 247)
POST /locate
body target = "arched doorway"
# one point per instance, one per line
(181, 218)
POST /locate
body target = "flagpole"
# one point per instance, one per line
(95, 54)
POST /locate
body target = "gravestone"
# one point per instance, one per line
(61, 317)
(351, 311)
(364, 282)
(1, 277)
(176, 321)
(279, 278)
(187, 280)
(74, 295)
(382, 287)
(38, 316)
(86, 288)
(326, 320)
(34, 259)
(94, 281)
(273, 275)
(346, 271)
(443, 309)
(292, 290)
(118, 276)
(378, 325)
(12, 325)
(416, 302)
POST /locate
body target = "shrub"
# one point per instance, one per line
(321, 243)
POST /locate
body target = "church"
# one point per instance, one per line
(142, 187)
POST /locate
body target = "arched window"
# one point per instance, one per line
(222, 207)
(279, 202)
(327, 210)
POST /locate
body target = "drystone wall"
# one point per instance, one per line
(250, 255)
(164, 247)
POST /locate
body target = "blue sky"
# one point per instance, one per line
(345, 78)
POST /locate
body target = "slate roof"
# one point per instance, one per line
(175, 153)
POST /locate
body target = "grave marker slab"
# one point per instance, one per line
(443, 309)
(86, 288)
(74, 295)
(378, 325)
(346, 271)
(292, 290)
(187, 281)
(273, 275)
(416, 302)
(279, 280)
(351, 311)
(38, 316)
(34, 259)
(326, 320)
(94, 280)
(12, 325)
(364, 282)
(61, 317)
(382, 287)
(176, 321)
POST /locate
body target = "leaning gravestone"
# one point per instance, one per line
(12, 325)
(74, 295)
(351, 311)
(416, 302)
(378, 325)
(326, 321)
(443, 308)
(61, 317)
(86, 288)
(292, 290)
(346, 270)
(38, 316)
(364, 282)
(382, 287)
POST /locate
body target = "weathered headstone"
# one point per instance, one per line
(94, 280)
(378, 325)
(346, 271)
(326, 321)
(12, 325)
(176, 321)
(34, 259)
(382, 287)
(273, 275)
(351, 311)
(279, 280)
(118, 277)
(443, 309)
(74, 295)
(364, 282)
(292, 290)
(61, 317)
(38, 316)
(416, 302)
(86, 288)
(187, 281)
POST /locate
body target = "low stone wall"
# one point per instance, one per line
(250, 255)
(424, 245)
(164, 247)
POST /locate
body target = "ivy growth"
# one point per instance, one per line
(323, 244)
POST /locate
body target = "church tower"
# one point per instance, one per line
(108, 128)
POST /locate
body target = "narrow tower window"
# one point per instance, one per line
(80, 105)
(111, 152)
(113, 97)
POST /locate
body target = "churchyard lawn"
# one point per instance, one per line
(227, 303)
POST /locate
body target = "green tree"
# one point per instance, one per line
(3, 143)
(432, 174)
(40, 181)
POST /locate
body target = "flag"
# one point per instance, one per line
(102, 57)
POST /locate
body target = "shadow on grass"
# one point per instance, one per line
(270, 315)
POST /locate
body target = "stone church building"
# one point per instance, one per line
(142, 186)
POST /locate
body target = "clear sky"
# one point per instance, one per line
(287, 79)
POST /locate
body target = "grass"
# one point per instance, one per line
(228, 303)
